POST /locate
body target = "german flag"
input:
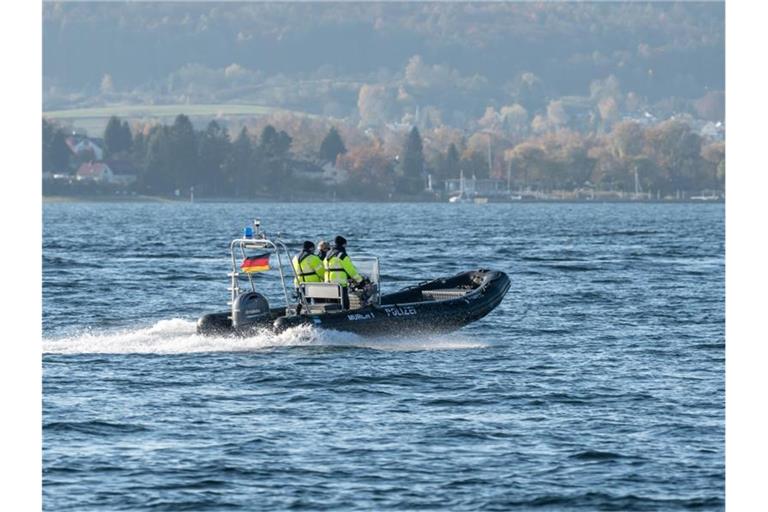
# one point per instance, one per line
(259, 263)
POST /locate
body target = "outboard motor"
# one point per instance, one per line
(249, 308)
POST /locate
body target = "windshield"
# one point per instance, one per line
(368, 266)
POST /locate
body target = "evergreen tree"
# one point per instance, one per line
(117, 136)
(214, 147)
(332, 146)
(239, 167)
(274, 144)
(273, 158)
(184, 164)
(139, 149)
(475, 165)
(412, 180)
(59, 152)
(451, 166)
(113, 136)
(49, 130)
(126, 139)
(158, 176)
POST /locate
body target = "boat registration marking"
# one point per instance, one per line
(400, 311)
(360, 316)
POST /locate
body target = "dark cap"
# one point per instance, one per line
(309, 245)
(340, 241)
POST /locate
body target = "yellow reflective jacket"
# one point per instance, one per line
(339, 268)
(308, 268)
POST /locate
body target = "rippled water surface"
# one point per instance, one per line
(597, 384)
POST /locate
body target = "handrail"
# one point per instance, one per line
(260, 241)
(257, 243)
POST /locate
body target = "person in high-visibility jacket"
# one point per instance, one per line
(307, 266)
(323, 248)
(339, 268)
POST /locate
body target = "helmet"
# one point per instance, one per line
(323, 245)
(309, 245)
(340, 241)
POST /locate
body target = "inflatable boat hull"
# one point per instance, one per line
(437, 306)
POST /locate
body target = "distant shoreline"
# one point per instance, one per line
(107, 199)
(162, 199)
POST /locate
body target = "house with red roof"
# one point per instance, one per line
(95, 171)
(115, 172)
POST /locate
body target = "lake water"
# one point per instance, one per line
(597, 384)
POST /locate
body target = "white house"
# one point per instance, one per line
(77, 146)
(333, 175)
(321, 171)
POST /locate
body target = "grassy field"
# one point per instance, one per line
(94, 120)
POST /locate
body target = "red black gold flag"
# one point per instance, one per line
(259, 263)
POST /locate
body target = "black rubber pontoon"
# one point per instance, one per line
(437, 306)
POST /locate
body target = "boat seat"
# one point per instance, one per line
(328, 291)
(446, 293)
(319, 309)
(322, 297)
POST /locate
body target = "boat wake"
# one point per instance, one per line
(178, 336)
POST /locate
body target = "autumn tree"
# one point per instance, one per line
(627, 139)
(528, 161)
(371, 172)
(514, 119)
(714, 156)
(711, 106)
(557, 117)
(609, 112)
(375, 104)
(607, 172)
(572, 157)
(677, 151)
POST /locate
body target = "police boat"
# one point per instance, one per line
(436, 306)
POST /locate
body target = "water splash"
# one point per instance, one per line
(178, 336)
